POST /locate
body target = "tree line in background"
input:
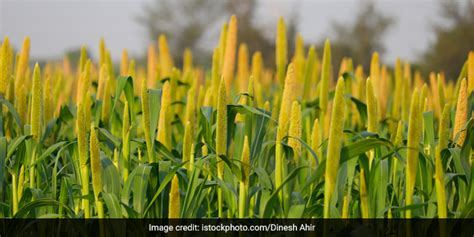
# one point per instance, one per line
(195, 24)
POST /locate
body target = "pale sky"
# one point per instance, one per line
(55, 26)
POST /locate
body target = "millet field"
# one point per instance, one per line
(303, 138)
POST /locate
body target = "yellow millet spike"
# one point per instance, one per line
(106, 100)
(10, 92)
(191, 106)
(103, 75)
(283, 123)
(66, 66)
(81, 129)
(221, 132)
(372, 116)
(256, 93)
(4, 67)
(102, 52)
(48, 99)
(164, 134)
(214, 88)
(187, 60)
(371, 108)
(243, 68)
(407, 74)
(396, 103)
(85, 82)
(414, 135)
(287, 99)
(423, 96)
(470, 72)
(110, 65)
(22, 64)
(174, 199)
(87, 109)
(342, 67)
(439, 170)
(257, 66)
(334, 145)
(131, 71)
(124, 63)
(166, 61)
(325, 75)
(405, 100)
(23, 57)
(295, 130)
(96, 170)
(221, 48)
(82, 59)
(309, 69)
(37, 104)
(461, 114)
(299, 59)
(151, 67)
(383, 92)
(221, 138)
(207, 100)
(229, 54)
(375, 71)
(434, 93)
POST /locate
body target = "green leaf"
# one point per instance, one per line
(233, 167)
(164, 152)
(154, 103)
(163, 184)
(125, 84)
(362, 146)
(12, 110)
(109, 137)
(15, 144)
(296, 211)
(410, 207)
(110, 177)
(140, 181)
(308, 147)
(261, 127)
(194, 195)
(3, 156)
(50, 150)
(267, 206)
(264, 178)
(42, 202)
(361, 108)
(113, 205)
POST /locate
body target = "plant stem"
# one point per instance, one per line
(14, 194)
(85, 190)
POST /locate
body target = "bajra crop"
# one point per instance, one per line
(302, 138)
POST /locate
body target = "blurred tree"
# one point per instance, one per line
(453, 40)
(191, 23)
(361, 38)
(183, 22)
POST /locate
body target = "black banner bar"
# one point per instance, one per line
(237, 227)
